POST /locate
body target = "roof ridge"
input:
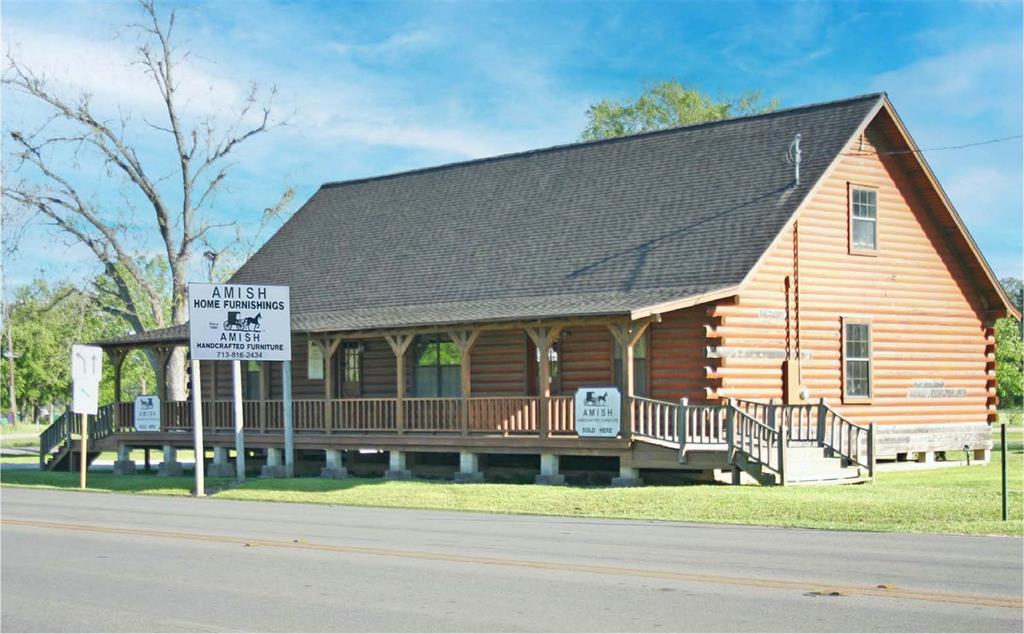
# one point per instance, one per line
(619, 139)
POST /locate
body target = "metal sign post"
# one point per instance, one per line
(197, 429)
(240, 322)
(86, 371)
(236, 395)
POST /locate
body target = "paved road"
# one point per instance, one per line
(92, 561)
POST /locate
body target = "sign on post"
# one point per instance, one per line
(86, 372)
(147, 412)
(239, 322)
(598, 411)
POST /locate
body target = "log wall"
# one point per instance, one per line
(932, 346)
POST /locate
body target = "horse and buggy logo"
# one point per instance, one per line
(596, 399)
(244, 324)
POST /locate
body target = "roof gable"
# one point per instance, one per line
(611, 226)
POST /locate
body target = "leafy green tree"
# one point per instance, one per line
(45, 322)
(667, 104)
(1009, 357)
(1010, 350)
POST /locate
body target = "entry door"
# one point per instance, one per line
(352, 372)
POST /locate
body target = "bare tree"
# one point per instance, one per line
(47, 187)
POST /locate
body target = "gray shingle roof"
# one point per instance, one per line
(591, 228)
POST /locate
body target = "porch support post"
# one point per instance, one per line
(124, 464)
(399, 345)
(163, 355)
(397, 467)
(626, 336)
(629, 476)
(465, 340)
(334, 465)
(543, 338)
(221, 468)
(469, 468)
(273, 468)
(117, 360)
(549, 470)
(328, 346)
(170, 465)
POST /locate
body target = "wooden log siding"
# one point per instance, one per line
(678, 367)
(928, 321)
(586, 358)
(498, 365)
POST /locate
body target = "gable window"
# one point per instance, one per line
(436, 367)
(640, 367)
(863, 219)
(856, 360)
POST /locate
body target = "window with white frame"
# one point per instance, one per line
(863, 219)
(857, 359)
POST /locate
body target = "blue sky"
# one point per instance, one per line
(376, 87)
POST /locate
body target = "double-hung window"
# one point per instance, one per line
(863, 219)
(856, 360)
(437, 367)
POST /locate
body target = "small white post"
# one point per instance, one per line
(289, 432)
(236, 396)
(197, 428)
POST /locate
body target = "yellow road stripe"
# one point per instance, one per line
(887, 592)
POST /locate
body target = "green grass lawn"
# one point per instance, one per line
(947, 500)
(20, 435)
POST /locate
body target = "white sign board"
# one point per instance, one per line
(86, 372)
(86, 364)
(239, 322)
(147, 413)
(315, 363)
(85, 398)
(598, 411)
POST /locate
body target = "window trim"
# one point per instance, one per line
(863, 321)
(855, 250)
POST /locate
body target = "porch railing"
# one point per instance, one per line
(503, 414)
(432, 414)
(562, 415)
(654, 419)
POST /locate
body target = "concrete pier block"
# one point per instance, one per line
(334, 467)
(628, 477)
(549, 474)
(926, 457)
(397, 467)
(170, 465)
(220, 468)
(469, 468)
(124, 465)
(275, 464)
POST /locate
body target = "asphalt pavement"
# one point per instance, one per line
(74, 561)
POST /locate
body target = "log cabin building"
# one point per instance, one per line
(785, 292)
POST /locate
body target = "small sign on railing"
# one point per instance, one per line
(598, 411)
(147, 413)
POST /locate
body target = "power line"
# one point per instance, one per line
(934, 149)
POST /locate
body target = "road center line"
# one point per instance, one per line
(887, 592)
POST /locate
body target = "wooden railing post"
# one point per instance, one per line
(783, 441)
(681, 416)
(871, 450)
(730, 430)
(821, 422)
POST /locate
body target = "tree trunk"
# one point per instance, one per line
(175, 378)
